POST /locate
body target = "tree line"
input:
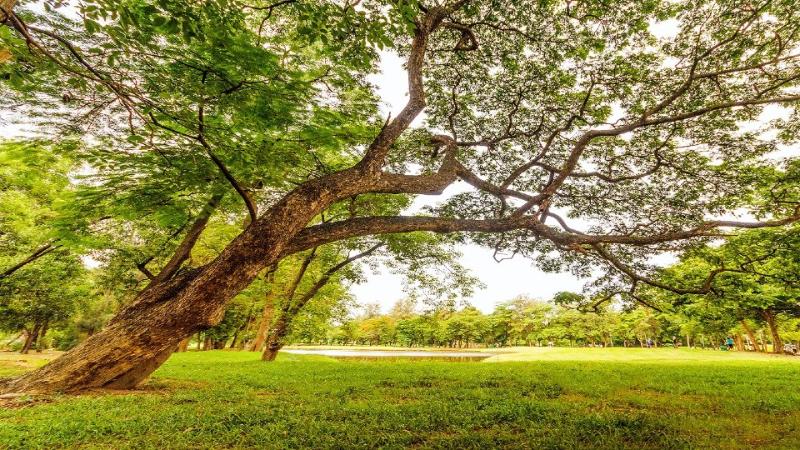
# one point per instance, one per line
(526, 322)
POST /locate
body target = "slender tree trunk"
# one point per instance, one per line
(266, 315)
(739, 344)
(280, 329)
(777, 342)
(26, 344)
(30, 338)
(42, 332)
(750, 335)
(183, 345)
(275, 338)
(264, 325)
(234, 340)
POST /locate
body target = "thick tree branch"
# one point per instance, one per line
(365, 226)
(375, 157)
(634, 276)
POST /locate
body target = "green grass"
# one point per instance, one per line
(620, 354)
(559, 398)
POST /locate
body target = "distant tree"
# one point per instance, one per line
(37, 299)
(34, 184)
(756, 279)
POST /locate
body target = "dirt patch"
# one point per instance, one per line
(17, 401)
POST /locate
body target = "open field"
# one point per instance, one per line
(557, 398)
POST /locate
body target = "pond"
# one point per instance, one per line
(387, 355)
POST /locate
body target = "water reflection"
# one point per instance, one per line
(390, 355)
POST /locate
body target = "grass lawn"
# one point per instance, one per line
(544, 398)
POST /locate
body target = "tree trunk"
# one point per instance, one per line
(271, 352)
(264, 325)
(144, 333)
(31, 338)
(275, 338)
(777, 343)
(235, 339)
(266, 316)
(27, 344)
(42, 332)
(291, 307)
(183, 345)
(750, 335)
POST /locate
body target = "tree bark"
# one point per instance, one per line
(275, 339)
(31, 338)
(183, 345)
(266, 320)
(777, 343)
(750, 335)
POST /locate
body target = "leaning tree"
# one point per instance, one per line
(586, 131)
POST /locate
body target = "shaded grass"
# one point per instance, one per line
(232, 400)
